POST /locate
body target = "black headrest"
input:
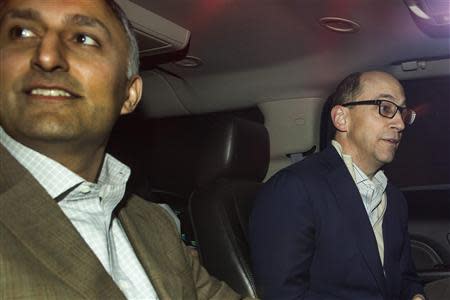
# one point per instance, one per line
(235, 148)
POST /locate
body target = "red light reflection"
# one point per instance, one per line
(205, 11)
(422, 110)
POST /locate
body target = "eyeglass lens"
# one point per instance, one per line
(408, 116)
(389, 110)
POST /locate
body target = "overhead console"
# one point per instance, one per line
(421, 68)
(159, 39)
(431, 16)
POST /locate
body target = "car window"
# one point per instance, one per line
(423, 158)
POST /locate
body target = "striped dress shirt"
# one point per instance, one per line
(372, 194)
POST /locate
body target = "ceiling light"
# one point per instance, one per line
(189, 61)
(418, 11)
(338, 24)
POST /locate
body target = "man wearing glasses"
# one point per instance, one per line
(331, 226)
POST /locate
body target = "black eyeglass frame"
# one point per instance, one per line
(379, 102)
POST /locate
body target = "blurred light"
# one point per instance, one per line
(421, 110)
(418, 11)
(205, 13)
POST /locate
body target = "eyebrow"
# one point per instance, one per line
(86, 21)
(75, 19)
(27, 14)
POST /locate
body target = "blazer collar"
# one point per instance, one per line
(39, 223)
(352, 208)
(41, 226)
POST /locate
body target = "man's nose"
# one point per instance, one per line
(50, 55)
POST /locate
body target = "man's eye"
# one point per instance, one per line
(21, 33)
(86, 40)
(387, 108)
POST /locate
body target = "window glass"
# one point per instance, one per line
(424, 154)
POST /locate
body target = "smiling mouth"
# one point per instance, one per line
(51, 93)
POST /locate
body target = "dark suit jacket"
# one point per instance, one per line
(311, 237)
(42, 256)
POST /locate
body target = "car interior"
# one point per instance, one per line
(236, 90)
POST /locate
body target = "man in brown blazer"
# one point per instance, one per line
(68, 230)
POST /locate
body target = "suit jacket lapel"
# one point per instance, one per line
(144, 235)
(38, 222)
(350, 202)
(392, 235)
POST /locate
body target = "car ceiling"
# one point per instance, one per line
(256, 51)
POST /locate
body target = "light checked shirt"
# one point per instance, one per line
(89, 206)
(372, 193)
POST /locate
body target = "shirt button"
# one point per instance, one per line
(85, 189)
(124, 284)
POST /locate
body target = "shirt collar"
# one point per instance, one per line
(54, 177)
(379, 179)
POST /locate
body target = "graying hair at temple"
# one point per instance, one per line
(133, 49)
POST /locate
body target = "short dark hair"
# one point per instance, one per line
(348, 89)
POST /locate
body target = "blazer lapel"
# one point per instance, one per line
(352, 208)
(144, 235)
(38, 222)
(392, 235)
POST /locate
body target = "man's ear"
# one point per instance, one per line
(134, 95)
(339, 117)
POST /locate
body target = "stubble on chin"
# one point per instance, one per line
(51, 129)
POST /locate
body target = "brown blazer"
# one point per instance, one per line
(42, 256)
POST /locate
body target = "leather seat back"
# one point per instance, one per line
(233, 164)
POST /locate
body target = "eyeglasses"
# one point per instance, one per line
(388, 109)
